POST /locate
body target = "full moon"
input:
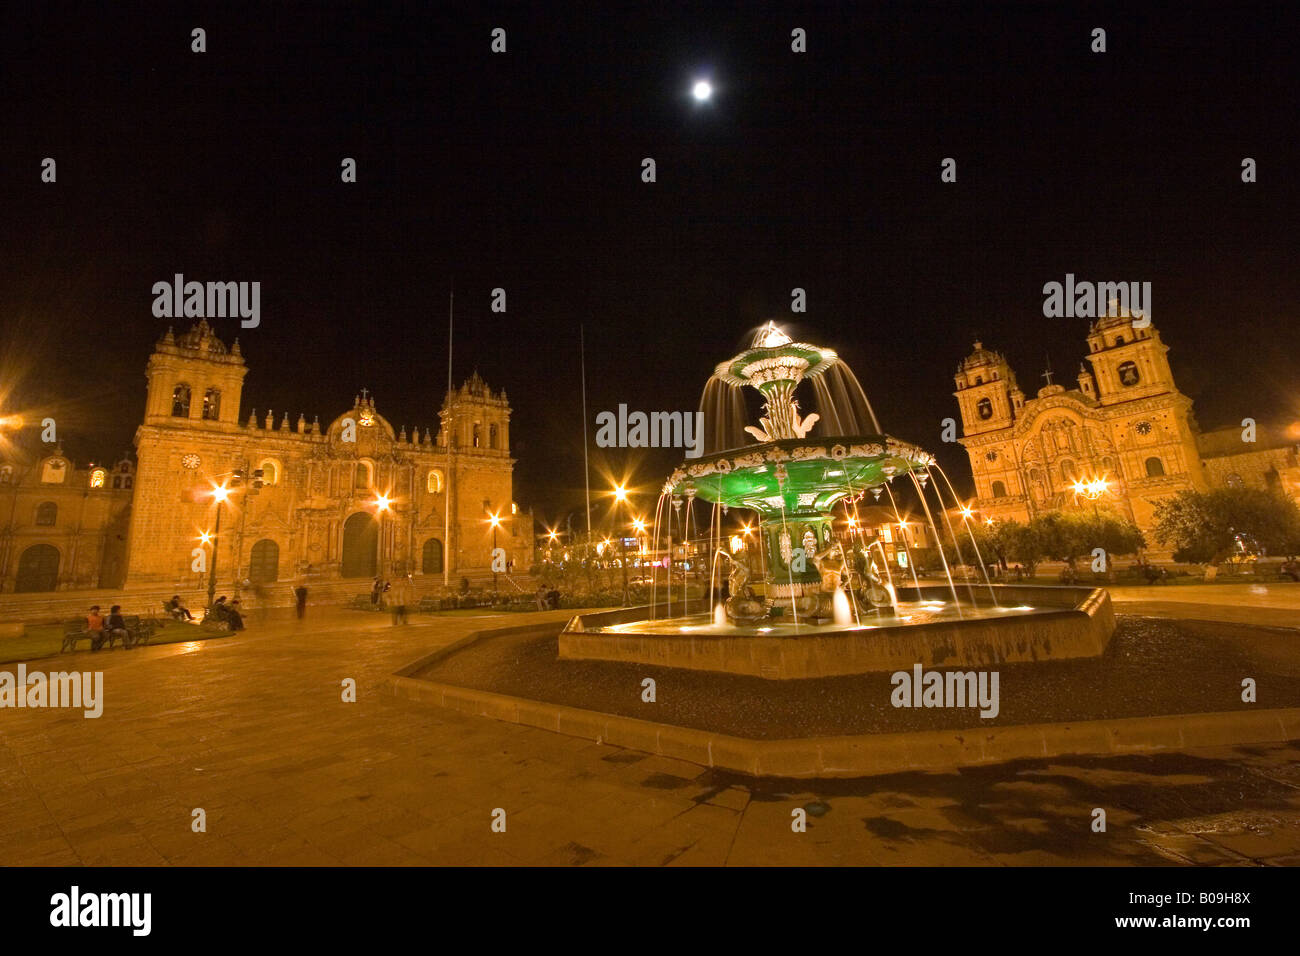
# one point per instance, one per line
(702, 90)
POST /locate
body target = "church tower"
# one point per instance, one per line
(986, 391)
(1129, 363)
(194, 379)
(476, 433)
(183, 449)
(990, 403)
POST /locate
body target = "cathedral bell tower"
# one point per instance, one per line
(193, 378)
(986, 392)
(1128, 362)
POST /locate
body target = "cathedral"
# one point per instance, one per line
(1125, 422)
(268, 504)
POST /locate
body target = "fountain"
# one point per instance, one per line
(816, 604)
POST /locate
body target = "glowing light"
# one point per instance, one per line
(702, 90)
(737, 542)
(639, 525)
(553, 536)
(988, 521)
(620, 493)
(220, 493)
(382, 502)
(967, 511)
(204, 537)
(494, 519)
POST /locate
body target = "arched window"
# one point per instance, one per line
(1067, 469)
(97, 476)
(476, 435)
(431, 562)
(47, 513)
(1119, 340)
(492, 436)
(984, 408)
(212, 404)
(270, 472)
(181, 401)
(979, 379)
(264, 562)
(999, 490)
(435, 482)
(1128, 374)
(7, 475)
(1155, 468)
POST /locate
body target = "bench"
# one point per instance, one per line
(138, 632)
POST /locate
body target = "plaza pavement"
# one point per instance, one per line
(252, 729)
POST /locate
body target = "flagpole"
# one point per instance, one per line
(446, 492)
(586, 470)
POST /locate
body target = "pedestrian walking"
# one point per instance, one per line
(300, 599)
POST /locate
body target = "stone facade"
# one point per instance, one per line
(64, 526)
(1125, 421)
(349, 500)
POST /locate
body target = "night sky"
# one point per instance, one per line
(522, 170)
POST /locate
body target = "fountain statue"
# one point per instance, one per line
(742, 607)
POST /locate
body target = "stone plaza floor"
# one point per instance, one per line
(253, 729)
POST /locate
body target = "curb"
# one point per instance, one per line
(864, 755)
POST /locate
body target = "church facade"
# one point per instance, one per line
(1125, 422)
(271, 504)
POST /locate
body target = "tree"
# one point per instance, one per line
(1204, 527)
(1069, 535)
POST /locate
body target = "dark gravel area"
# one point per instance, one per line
(1153, 666)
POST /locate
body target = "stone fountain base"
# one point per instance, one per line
(1066, 622)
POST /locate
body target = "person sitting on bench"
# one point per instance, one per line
(177, 610)
(95, 628)
(233, 616)
(116, 626)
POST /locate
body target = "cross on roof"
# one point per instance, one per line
(365, 394)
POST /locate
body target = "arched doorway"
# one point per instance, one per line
(360, 546)
(38, 569)
(432, 563)
(264, 562)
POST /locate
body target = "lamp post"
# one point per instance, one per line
(220, 494)
(1092, 489)
(382, 505)
(495, 520)
(620, 497)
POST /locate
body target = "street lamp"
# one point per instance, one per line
(382, 504)
(620, 497)
(1092, 489)
(219, 494)
(495, 519)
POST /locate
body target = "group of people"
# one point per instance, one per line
(547, 599)
(110, 628)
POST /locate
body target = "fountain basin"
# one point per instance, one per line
(1031, 624)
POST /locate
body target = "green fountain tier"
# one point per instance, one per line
(797, 475)
(793, 484)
